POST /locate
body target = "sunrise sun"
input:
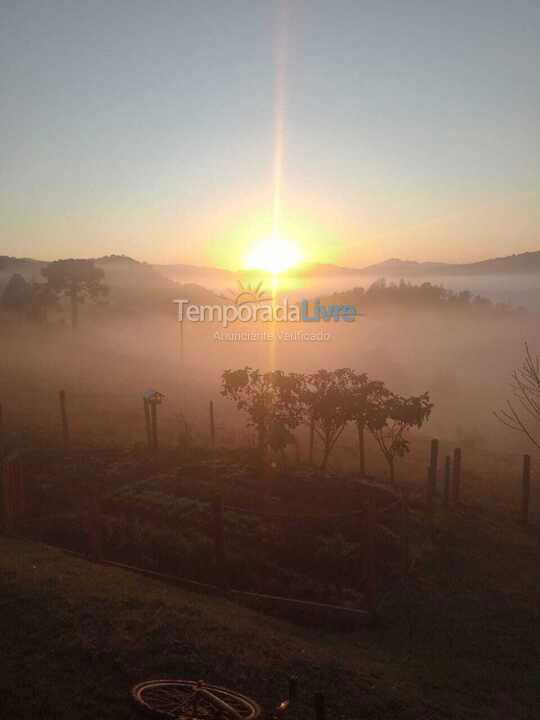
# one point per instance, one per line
(273, 254)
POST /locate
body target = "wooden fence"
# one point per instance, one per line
(16, 521)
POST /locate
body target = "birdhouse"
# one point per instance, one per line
(153, 396)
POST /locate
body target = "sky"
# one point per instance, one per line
(184, 132)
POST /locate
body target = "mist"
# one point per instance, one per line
(463, 356)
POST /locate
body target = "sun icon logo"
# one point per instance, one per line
(248, 294)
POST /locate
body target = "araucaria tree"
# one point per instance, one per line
(273, 402)
(523, 414)
(30, 299)
(16, 295)
(76, 280)
(393, 417)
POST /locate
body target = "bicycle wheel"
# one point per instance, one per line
(190, 700)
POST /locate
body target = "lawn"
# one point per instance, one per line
(459, 640)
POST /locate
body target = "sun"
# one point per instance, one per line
(273, 254)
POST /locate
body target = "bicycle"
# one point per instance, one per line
(196, 700)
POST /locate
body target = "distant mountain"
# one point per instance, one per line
(132, 283)
(322, 270)
(120, 271)
(215, 277)
(125, 272)
(524, 264)
(28, 268)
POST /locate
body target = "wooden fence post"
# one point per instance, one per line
(525, 489)
(153, 413)
(456, 477)
(212, 427)
(320, 706)
(311, 440)
(3, 497)
(447, 480)
(64, 419)
(2, 443)
(147, 423)
(213, 439)
(219, 542)
(361, 448)
(430, 495)
(19, 495)
(7, 498)
(94, 526)
(293, 688)
(371, 555)
(434, 461)
(405, 549)
(13, 498)
(129, 533)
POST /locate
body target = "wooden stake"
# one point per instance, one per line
(293, 688)
(213, 439)
(219, 543)
(525, 489)
(182, 387)
(320, 706)
(311, 440)
(94, 526)
(447, 480)
(64, 418)
(405, 549)
(434, 461)
(212, 427)
(2, 443)
(361, 448)
(153, 413)
(430, 495)
(371, 556)
(19, 499)
(456, 477)
(147, 423)
(7, 497)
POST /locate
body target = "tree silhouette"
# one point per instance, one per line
(366, 399)
(329, 406)
(16, 295)
(42, 298)
(32, 299)
(277, 402)
(392, 417)
(76, 280)
(273, 402)
(526, 391)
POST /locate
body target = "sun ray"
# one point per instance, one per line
(279, 92)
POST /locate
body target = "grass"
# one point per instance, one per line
(460, 640)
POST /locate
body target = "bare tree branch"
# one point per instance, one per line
(526, 391)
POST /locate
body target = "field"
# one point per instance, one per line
(456, 630)
(459, 640)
